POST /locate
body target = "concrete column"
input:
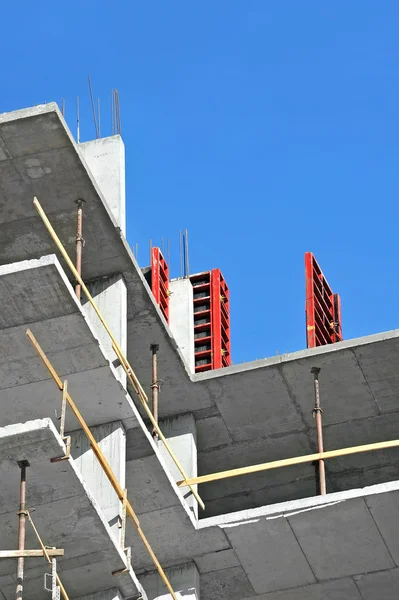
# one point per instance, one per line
(110, 295)
(111, 438)
(111, 594)
(106, 160)
(181, 433)
(185, 581)
(181, 318)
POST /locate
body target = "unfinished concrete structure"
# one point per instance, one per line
(265, 535)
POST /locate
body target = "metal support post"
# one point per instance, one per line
(155, 387)
(23, 464)
(79, 244)
(317, 412)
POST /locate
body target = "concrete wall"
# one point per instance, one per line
(106, 160)
(111, 438)
(181, 434)
(181, 318)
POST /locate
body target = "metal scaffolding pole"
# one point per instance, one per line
(317, 412)
(23, 464)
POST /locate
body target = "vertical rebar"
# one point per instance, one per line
(317, 412)
(21, 528)
(155, 387)
(79, 244)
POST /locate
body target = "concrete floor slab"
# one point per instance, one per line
(341, 540)
(379, 586)
(217, 561)
(66, 515)
(229, 584)
(342, 589)
(385, 512)
(267, 551)
(46, 303)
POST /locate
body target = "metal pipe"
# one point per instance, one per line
(21, 528)
(317, 412)
(79, 245)
(155, 387)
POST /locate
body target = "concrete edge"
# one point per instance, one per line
(283, 509)
(32, 111)
(297, 355)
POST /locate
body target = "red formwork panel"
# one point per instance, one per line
(211, 321)
(160, 281)
(323, 307)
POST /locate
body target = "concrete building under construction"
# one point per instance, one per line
(272, 480)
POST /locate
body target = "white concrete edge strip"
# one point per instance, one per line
(17, 429)
(286, 509)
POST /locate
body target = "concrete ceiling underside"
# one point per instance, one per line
(36, 294)
(65, 514)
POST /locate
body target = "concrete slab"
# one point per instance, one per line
(381, 586)
(267, 551)
(341, 540)
(324, 538)
(66, 515)
(37, 294)
(341, 589)
(229, 584)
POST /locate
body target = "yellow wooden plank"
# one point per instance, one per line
(287, 462)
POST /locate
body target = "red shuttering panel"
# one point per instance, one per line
(211, 321)
(160, 281)
(323, 308)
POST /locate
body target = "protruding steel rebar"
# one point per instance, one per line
(23, 464)
(155, 386)
(79, 244)
(317, 412)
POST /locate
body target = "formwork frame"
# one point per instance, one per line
(211, 295)
(323, 307)
(160, 281)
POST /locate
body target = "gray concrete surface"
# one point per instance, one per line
(185, 581)
(65, 513)
(36, 294)
(181, 318)
(105, 158)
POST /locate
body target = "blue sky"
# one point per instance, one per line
(267, 128)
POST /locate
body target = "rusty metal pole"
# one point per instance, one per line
(79, 244)
(155, 387)
(317, 412)
(21, 528)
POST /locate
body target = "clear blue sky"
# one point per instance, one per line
(266, 127)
